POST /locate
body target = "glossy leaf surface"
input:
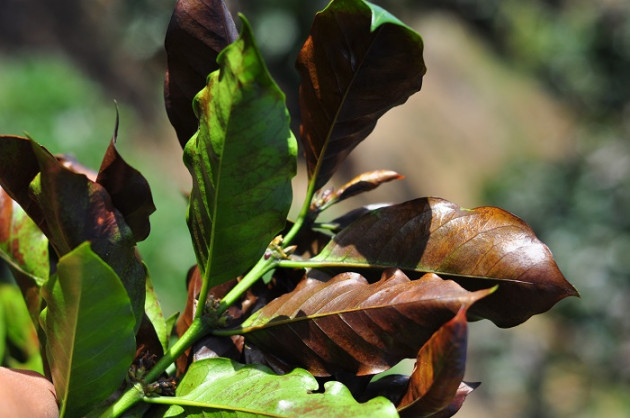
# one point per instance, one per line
(227, 388)
(348, 325)
(358, 62)
(89, 326)
(242, 160)
(439, 370)
(478, 248)
(197, 32)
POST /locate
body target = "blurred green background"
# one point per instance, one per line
(526, 105)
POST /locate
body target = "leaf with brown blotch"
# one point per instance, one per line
(71, 209)
(128, 189)
(24, 248)
(477, 248)
(439, 370)
(360, 184)
(197, 32)
(358, 62)
(348, 325)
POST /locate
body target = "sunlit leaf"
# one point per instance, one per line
(221, 387)
(155, 315)
(348, 325)
(439, 370)
(477, 248)
(360, 184)
(197, 32)
(89, 326)
(242, 160)
(358, 62)
(462, 392)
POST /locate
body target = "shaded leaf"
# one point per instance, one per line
(76, 210)
(241, 160)
(197, 32)
(70, 209)
(18, 168)
(360, 184)
(89, 326)
(348, 325)
(128, 189)
(477, 248)
(392, 387)
(225, 388)
(462, 392)
(17, 332)
(439, 370)
(358, 62)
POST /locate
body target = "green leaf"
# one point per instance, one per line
(154, 312)
(348, 325)
(477, 248)
(22, 244)
(242, 160)
(19, 332)
(197, 32)
(221, 387)
(25, 249)
(358, 62)
(89, 326)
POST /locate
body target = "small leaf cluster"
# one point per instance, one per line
(283, 317)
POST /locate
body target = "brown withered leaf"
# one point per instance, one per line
(360, 184)
(439, 370)
(197, 32)
(347, 325)
(357, 63)
(477, 248)
(128, 189)
(462, 392)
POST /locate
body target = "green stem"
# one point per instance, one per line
(302, 216)
(197, 329)
(203, 294)
(261, 267)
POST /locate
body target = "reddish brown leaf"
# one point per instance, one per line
(197, 32)
(457, 402)
(348, 325)
(357, 63)
(360, 184)
(128, 189)
(439, 370)
(477, 248)
(71, 209)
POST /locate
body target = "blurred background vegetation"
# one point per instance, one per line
(526, 105)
